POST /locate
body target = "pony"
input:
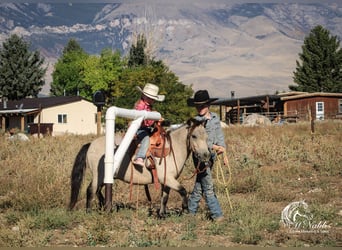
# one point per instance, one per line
(187, 138)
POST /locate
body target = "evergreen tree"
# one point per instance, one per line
(320, 70)
(137, 55)
(67, 75)
(21, 71)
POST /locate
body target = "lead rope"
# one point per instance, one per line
(221, 177)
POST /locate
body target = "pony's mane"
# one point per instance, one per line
(174, 127)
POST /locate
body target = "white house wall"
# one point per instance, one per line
(80, 118)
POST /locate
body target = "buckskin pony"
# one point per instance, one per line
(188, 138)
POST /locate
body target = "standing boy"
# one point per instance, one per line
(204, 183)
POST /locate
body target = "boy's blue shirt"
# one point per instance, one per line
(214, 130)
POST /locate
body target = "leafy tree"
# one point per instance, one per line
(142, 69)
(174, 108)
(118, 77)
(103, 73)
(321, 65)
(21, 71)
(67, 75)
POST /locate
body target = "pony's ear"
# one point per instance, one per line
(193, 122)
(190, 122)
(165, 123)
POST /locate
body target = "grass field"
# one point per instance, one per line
(269, 167)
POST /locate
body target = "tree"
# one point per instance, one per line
(137, 54)
(174, 108)
(67, 75)
(321, 65)
(21, 71)
(118, 77)
(142, 68)
(103, 73)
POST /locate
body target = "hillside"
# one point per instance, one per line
(250, 48)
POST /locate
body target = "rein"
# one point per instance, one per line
(223, 179)
(196, 171)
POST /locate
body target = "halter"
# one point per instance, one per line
(190, 130)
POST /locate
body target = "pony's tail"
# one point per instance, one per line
(77, 174)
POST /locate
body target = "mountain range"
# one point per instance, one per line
(250, 48)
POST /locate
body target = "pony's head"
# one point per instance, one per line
(197, 139)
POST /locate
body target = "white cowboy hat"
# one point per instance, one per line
(151, 91)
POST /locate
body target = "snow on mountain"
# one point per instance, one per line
(250, 48)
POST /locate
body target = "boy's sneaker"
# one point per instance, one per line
(219, 219)
(139, 162)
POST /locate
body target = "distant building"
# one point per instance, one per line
(291, 106)
(49, 115)
(318, 105)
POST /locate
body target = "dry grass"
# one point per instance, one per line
(270, 167)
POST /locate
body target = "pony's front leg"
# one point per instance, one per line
(163, 201)
(184, 194)
(148, 195)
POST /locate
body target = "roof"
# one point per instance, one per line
(233, 102)
(43, 102)
(33, 105)
(307, 95)
(254, 100)
(19, 111)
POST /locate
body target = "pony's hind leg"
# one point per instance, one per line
(90, 196)
(100, 197)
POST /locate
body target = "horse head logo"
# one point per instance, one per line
(296, 213)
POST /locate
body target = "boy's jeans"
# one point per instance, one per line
(204, 186)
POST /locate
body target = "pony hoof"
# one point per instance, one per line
(161, 216)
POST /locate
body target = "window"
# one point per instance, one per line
(340, 105)
(319, 106)
(62, 118)
(30, 119)
(319, 110)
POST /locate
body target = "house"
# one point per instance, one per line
(290, 106)
(316, 106)
(50, 115)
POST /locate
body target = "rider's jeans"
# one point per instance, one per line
(204, 186)
(144, 140)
